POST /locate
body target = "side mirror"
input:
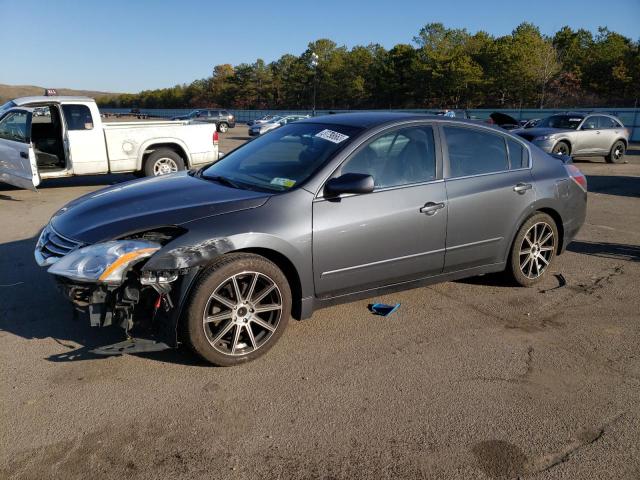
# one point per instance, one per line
(349, 183)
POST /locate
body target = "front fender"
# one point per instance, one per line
(282, 225)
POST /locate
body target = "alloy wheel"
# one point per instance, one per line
(618, 152)
(536, 250)
(164, 165)
(242, 313)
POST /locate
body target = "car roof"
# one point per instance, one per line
(51, 99)
(373, 119)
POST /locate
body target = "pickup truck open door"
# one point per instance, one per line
(17, 157)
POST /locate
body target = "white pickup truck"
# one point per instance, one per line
(49, 137)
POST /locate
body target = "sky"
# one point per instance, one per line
(128, 46)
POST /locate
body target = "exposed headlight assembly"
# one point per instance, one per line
(103, 262)
(543, 137)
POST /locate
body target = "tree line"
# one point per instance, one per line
(441, 68)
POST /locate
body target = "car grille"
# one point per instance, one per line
(52, 246)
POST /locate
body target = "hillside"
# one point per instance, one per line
(7, 92)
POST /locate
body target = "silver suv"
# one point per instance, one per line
(579, 134)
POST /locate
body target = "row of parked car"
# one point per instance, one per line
(569, 133)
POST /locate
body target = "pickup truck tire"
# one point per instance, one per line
(616, 155)
(223, 127)
(162, 162)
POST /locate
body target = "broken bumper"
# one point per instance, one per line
(147, 314)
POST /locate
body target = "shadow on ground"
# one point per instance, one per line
(614, 251)
(614, 185)
(78, 181)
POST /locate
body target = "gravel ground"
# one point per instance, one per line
(469, 379)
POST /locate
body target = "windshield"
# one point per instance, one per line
(7, 106)
(283, 158)
(561, 121)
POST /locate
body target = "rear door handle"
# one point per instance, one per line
(521, 188)
(431, 208)
(24, 154)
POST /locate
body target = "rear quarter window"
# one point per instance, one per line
(518, 154)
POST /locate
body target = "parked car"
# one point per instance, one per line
(503, 120)
(222, 118)
(70, 138)
(530, 123)
(580, 134)
(265, 119)
(274, 123)
(323, 210)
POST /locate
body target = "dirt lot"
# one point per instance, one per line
(469, 379)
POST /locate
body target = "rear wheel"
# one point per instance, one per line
(533, 249)
(561, 148)
(223, 127)
(238, 309)
(162, 162)
(616, 155)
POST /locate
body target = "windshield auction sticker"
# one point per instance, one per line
(335, 137)
(283, 182)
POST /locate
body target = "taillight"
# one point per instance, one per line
(216, 137)
(577, 176)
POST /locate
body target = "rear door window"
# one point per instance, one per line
(606, 122)
(78, 117)
(475, 152)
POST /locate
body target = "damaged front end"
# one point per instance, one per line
(107, 284)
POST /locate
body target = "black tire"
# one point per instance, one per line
(223, 127)
(561, 148)
(216, 341)
(616, 155)
(525, 268)
(162, 162)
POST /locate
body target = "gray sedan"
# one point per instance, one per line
(579, 134)
(276, 122)
(320, 211)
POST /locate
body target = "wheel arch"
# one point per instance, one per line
(288, 269)
(553, 213)
(566, 140)
(559, 225)
(170, 144)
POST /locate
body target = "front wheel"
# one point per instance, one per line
(533, 249)
(616, 155)
(561, 148)
(223, 127)
(238, 309)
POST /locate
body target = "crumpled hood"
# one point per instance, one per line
(148, 203)
(540, 131)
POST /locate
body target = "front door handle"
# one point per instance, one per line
(431, 208)
(24, 154)
(521, 188)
